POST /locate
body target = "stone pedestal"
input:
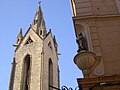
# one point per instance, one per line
(85, 60)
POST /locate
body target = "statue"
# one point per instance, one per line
(82, 43)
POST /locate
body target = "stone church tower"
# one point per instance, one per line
(35, 63)
(97, 29)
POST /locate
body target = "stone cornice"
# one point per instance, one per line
(95, 16)
(106, 79)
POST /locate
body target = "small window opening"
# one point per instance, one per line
(18, 41)
(40, 32)
(29, 41)
(50, 46)
(34, 22)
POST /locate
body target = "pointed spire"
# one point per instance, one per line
(55, 43)
(38, 23)
(20, 33)
(19, 37)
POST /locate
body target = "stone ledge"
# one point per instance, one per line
(114, 78)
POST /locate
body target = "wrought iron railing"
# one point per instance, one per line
(64, 88)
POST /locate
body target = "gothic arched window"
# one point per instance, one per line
(26, 73)
(50, 76)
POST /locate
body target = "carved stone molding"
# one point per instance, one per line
(99, 69)
(113, 78)
(110, 82)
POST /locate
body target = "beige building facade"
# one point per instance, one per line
(99, 23)
(35, 63)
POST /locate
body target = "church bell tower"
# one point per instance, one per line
(97, 30)
(35, 63)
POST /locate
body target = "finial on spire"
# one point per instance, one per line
(20, 31)
(39, 2)
(19, 37)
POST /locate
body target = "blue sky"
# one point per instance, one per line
(15, 14)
